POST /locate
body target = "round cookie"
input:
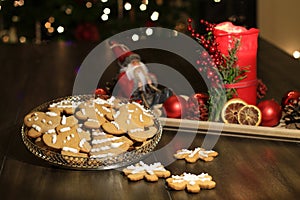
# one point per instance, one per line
(141, 135)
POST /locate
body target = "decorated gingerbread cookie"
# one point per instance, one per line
(68, 141)
(142, 134)
(192, 156)
(40, 122)
(140, 116)
(95, 128)
(105, 145)
(150, 172)
(64, 106)
(191, 182)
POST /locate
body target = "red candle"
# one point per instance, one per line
(226, 33)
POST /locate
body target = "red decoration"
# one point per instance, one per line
(198, 107)
(87, 32)
(175, 106)
(102, 93)
(290, 97)
(261, 89)
(225, 33)
(271, 112)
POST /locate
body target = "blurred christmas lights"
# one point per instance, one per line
(143, 7)
(154, 16)
(60, 29)
(296, 54)
(127, 6)
(135, 37)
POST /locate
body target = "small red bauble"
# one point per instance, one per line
(290, 97)
(202, 98)
(198, 107)
(100, 92)
(271, 112)
(175, 106)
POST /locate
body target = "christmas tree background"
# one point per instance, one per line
(24, 21)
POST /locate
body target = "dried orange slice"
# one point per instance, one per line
(249, 115)
(231, 109)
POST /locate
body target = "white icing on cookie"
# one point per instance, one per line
(144, 167)
(191, 178)
(36, 127)
(70, 149)
(63, 120)
(51, 114)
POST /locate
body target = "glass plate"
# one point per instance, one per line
(111, 162)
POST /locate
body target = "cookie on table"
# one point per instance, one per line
(191, 182)
(192, 156)
(150, 172)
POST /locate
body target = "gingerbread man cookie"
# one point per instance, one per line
(40, 122)
(131, 118)
(193, 183)
(150, 172)
(68, 141)
(192, 156)
(87, 114)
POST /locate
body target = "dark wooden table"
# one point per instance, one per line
(245, 169)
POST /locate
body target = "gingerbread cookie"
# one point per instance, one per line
(68, 141)
(105, 145)
(66, 124)
(192, 156)
(193, 183)
(64, 106)
(131, 118)
(95, 128)
(85, 111)
(104, 110)
(141, 134)
(40, 122)
(150, 172)
(140, 116)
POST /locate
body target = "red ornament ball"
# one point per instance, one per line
(175, 106)
(271, 112)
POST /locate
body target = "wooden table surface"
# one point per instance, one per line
(245, 169)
